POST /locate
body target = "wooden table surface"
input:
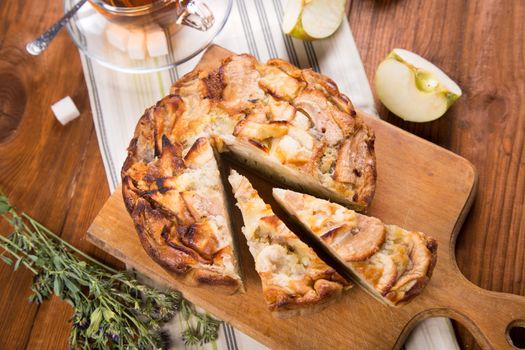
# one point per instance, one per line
(55, 173)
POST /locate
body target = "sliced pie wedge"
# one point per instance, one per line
(392, 263)
(295, 280)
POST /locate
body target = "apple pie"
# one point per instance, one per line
(392, 263)
(295, 280)
(291, 124)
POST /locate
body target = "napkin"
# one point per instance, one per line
(119, 99)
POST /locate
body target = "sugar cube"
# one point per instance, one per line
(156, 42)
(117, 36)
(65, 110)
(136, 44)
(85, 10)
(92, 24)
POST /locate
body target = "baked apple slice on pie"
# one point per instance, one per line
(291, 124)
(392, 263)
(295, 280)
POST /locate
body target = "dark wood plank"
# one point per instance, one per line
(481, 45)
(51, 327)
(51, 171)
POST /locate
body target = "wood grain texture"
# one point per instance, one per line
(51, 171)
(479, 43)
(421, 187)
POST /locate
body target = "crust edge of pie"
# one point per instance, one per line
(173, 261)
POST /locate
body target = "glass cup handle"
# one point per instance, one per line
(197, 15)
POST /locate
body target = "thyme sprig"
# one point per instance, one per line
(111, 309)
(201, 327)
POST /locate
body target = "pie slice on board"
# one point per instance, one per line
(392, 263)
(295, 280)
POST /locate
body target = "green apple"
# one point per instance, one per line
(313, 19)
(413, 88)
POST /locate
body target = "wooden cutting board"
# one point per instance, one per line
(420, 186)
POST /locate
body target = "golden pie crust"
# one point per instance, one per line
(176, 199)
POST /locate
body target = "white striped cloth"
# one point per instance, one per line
(119, 99)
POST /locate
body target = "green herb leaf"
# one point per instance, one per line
(71, 286)
(6, 260)
(94, 322)
(57, 262)
(17, 264)
(108, 314)
(58, 286)
(5, 206)
(32, 257)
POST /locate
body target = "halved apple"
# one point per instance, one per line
(413, 88)
(313, 19)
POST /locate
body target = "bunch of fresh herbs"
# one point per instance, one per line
(111, 309)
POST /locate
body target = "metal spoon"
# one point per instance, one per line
(38, 46)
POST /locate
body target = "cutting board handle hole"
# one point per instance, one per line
(516, 334)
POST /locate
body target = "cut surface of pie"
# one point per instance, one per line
(176, 199)
(295, 280)
(392, 263)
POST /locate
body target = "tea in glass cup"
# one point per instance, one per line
(166, 13)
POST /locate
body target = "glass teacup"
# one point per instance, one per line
(142, 36)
